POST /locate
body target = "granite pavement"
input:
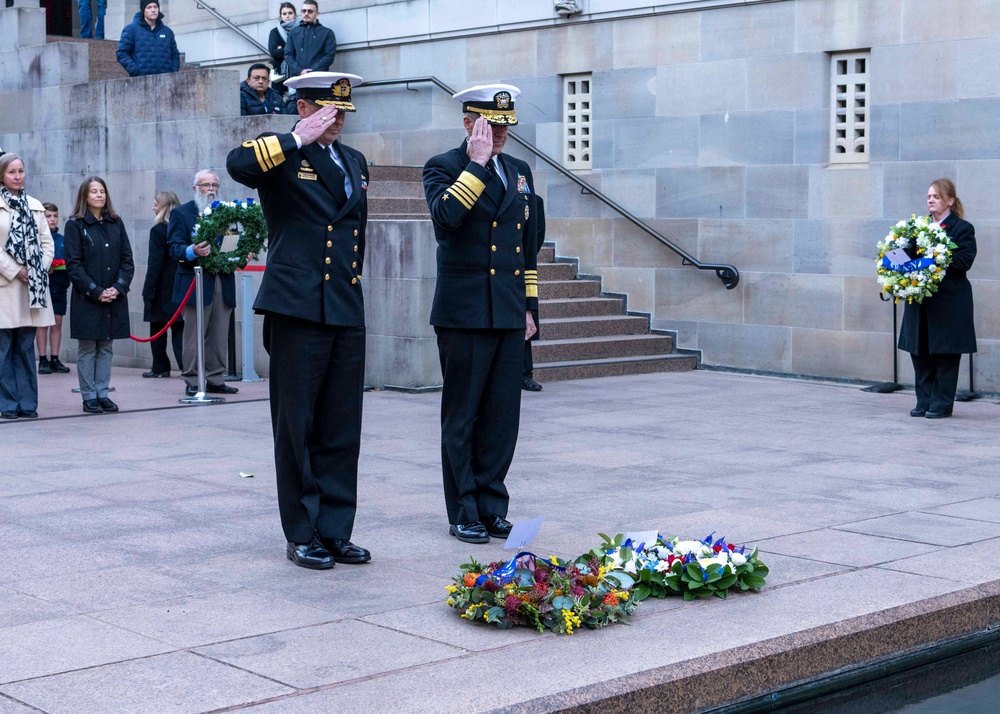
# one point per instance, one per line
(142, 570)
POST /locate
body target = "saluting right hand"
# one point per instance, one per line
(312, 127)
(480, 147)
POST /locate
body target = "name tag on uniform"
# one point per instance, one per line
(307, 177)
(522, 184)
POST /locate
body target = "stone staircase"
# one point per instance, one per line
(103, 63)
(583, 332)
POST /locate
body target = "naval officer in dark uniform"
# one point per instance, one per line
(313, 190)
(481, 203)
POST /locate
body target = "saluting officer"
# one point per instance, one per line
(481, 204)
(313, 192)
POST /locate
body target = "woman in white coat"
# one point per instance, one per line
(26, 250)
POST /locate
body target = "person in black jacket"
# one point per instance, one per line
(311, 46)
(256, 97)
(147, 46)
(487, 286)
(313, 190)
(528, 382)
(278, 38)
(158, 290)
(939, 330)
(100, 267)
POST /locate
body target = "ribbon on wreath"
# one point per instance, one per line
(505, 573)
(909, 266)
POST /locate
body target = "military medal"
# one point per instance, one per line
(525, 211)
(522, 184)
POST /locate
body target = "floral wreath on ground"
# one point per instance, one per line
(602, 586)
(916, 279)
(216, 220)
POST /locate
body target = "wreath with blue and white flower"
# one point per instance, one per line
(219, 219)
(918, 278)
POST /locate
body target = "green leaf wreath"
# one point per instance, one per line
(216, 220)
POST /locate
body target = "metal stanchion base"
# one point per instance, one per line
(884, 388)
(963, 395)
(202, 398)
(231, 378)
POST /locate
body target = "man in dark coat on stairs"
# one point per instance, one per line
(147, 46)
(311, 46)
(487, 286)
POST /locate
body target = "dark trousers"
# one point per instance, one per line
(317, 376)
(161, 362)
(480, 414)
(935, 381)
(18, 381)
(529, 365)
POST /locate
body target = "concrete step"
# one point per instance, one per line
(547, 254)
(396, 173)
(564, 328)
(587, 369)
(579, 307)
(396, 189)
(610, 347)
(555, 289)
(385, 206)
(556, 271)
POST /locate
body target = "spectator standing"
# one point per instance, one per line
(256, 97)
(25, 256)
(48, 340)
(147, 46)
(88, 26)
(99, 262)
(158, 290)
(311, 46)
(278, 38)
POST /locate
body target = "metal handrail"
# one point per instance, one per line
(228, 23)
(728, 274)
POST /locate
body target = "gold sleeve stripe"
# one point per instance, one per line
(531, 273)
(531, 291)
(260, 158)
(464, 201)
(472, 183)
(462, 192)
(272, 145)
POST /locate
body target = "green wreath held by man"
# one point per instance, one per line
(216, 220)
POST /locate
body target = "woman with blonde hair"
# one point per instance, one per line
(100, 267)
(939, 330)
(158, 290)
(26, 251)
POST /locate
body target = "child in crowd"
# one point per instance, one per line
(49, 339)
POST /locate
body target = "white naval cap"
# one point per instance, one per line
(493, 101)
(325, 88)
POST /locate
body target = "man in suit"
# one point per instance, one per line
(480, 202)
(219, 291)
(313, 190)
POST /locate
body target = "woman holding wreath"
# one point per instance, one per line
(100, 267)
(939, 330)
(26, 251)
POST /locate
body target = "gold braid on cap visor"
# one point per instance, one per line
(495, 116)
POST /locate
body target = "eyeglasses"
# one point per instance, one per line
(208, 185)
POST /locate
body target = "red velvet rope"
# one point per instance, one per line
(173, 319)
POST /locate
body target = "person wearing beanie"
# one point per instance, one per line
(147, 46)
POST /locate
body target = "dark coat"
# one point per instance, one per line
(539, 224)
(142, 51)
(310, 47)
(182, 222)
(158, 289)
(98, 256)
(276, 47)
(487, 273)
(949, 313)
(316, 238)
(251, 105)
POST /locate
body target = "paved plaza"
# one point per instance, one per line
(141, 572)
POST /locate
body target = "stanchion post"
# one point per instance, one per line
(247, 338)
(199, 292)
(894, 385)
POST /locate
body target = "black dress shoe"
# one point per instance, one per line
(310, 555)
(153, 375)
(8, 415)
(937, 415)
(474, 532)
(344, 551)
(497, 526)
(56, 366)
(27, 413)
(530, 385)
(92, 406)
(220, 389)
(43, 366)
(190, 391)
(107, 405)
(917, 412)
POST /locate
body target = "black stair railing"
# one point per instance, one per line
(728, 274)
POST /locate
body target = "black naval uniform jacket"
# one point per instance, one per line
(316, 236)
(950, 327)
(486, 257)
